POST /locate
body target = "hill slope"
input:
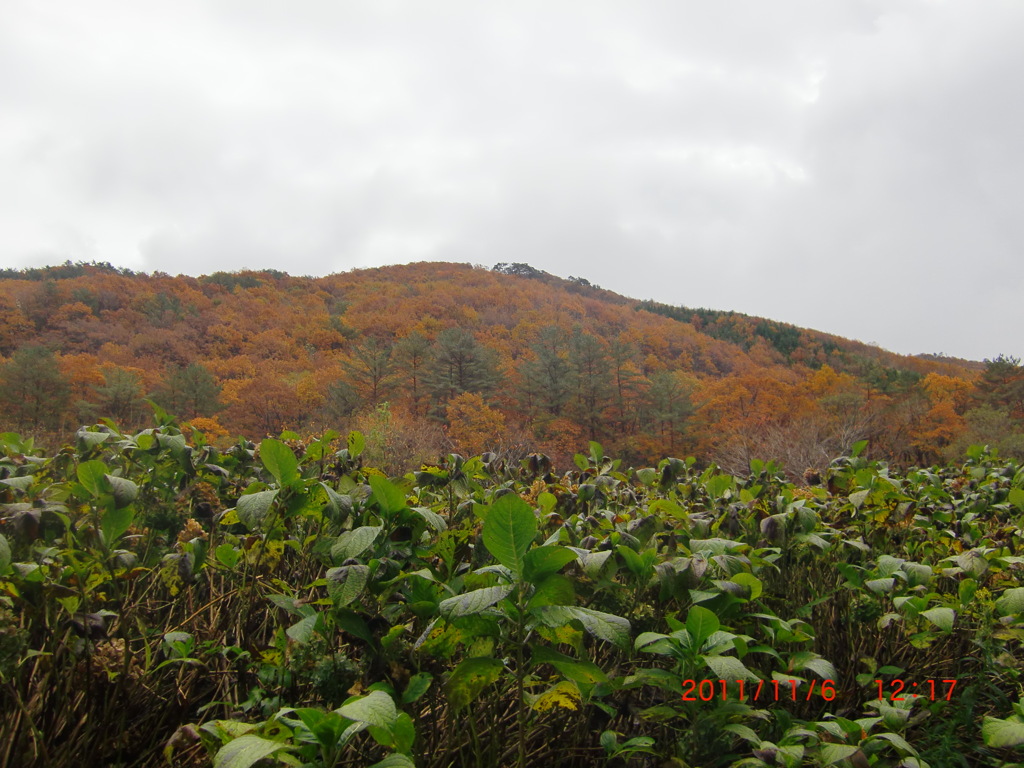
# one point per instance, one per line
(433, 357)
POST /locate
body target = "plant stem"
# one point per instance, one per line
(520, 674)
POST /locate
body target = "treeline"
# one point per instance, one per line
(429, 358)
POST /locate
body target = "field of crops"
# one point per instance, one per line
(164, 602)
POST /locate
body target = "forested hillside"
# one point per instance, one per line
(433, 357)
(464, 579)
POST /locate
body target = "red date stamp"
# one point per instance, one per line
(798, 690)
(763, 690)
(903, 690)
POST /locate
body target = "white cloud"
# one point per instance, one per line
(851, 166)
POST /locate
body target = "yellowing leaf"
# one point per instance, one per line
(171, 578)
(564, 695)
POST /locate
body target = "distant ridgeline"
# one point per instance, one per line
(64, 271)
(435, 357)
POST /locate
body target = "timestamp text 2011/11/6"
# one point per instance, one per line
(764, 690)
(789, 690)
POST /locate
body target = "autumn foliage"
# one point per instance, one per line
(476, 359)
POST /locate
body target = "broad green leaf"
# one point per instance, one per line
(509, 529)
(252, 508)
(176, 445)
(540, 562)
(546, 501)
(346, 583)
(399, 736)
(655, 642)
(280, 461)
(605, 626)
(718, 485)
(941, 618)
(302, 631)
(878, 586)
(633, 561)
(92, 475)
(115, 522)
(821, 667)
(593, 562)
(888, 565)
(573, 669)
(388, 496)
(744, 732)
(22, 483)
(973, 562)
(1002, 733)
(87, 439)
(857, 498)
(1011, 602)
(716, 546)
(918, 574)
(5, 555)
(729, 668)
(470, 678)
(751, 581)
(834, 753)
(356, 443)
(1016, 497)
(666, 507)
(433, 519)
(395, 760)
(967, 589)
(701, 624)
(245, 751)
(554, 590)
(123, 490)
(353, 543)
(648, 476)
(375, 708)
(340, 505)
(851, 573)
(354, 624)
(227, 555)
(897, 741)
(472, 602)
(418, 685)
(795, 752)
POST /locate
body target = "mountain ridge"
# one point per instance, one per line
(567, 361)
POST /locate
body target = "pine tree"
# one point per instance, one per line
(189, 392)
(460, 364)
(34, 394)
(545, 380)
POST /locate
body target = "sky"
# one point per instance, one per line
(853, 166)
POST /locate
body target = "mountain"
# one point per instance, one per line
(431, 357)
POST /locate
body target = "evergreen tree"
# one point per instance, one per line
(1001, 385)
(189, 392)
(592, 387)
(412, 356)
(670, 405)
(119, 398)
(460, 364)
(622, 355)
(370, 369)
(545, 380)
(34, 394)
(340, 401)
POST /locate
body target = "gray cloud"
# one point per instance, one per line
(850, 166)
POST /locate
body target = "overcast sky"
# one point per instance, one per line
(851, 166)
